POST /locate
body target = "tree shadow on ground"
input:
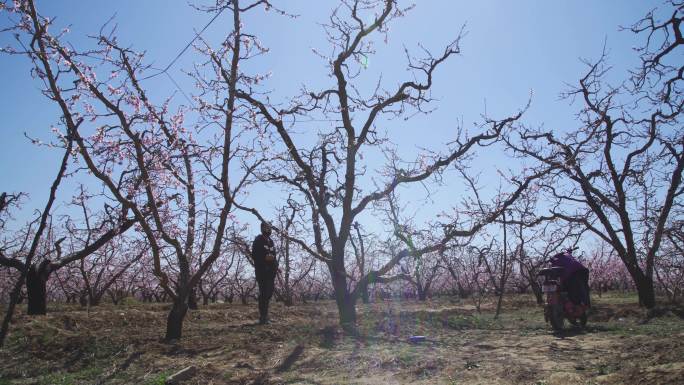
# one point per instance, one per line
(290, 359)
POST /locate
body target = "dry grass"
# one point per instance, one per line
(121, 345)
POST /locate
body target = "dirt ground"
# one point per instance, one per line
(121, 345)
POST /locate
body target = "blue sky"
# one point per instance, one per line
(512, 48)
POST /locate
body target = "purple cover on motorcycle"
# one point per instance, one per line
(567, 262)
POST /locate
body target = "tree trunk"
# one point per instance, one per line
(365, 296)
(422, 293)
(644, 286)
(347, 309)
(287, 298)
(536, 289)
(114, 296)
(462, 292)
(502, 281)
(96, 300)
(174, 322)
(14, 298)
(646, 291)
(36, 288)
(192, 300)
(346, 303)
(498, 304)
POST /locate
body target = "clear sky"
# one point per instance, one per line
(511, 49)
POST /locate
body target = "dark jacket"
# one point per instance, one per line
(260, 248)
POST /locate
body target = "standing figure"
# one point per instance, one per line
(265, 268)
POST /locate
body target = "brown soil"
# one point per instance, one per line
(121, 345)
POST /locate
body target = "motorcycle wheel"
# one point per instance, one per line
(556, 317)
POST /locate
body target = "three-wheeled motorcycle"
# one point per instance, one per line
(558, 305)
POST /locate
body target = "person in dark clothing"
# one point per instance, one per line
(575, 278)
(265, 268)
